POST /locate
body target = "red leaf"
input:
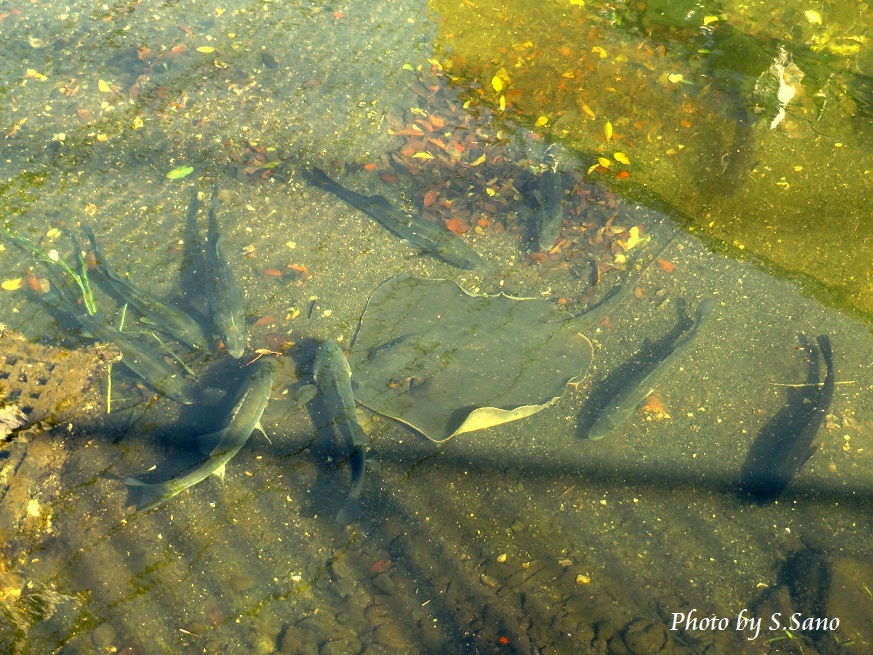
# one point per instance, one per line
(430, 197)
(381, 566)
(457, 226)
(668, 266)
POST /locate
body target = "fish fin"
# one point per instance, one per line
(350, 512)
(381, 201)
(305, 394)
(374, 465)
(809, 454)
(146, 496)
(213, 395)
(219, 472)
(319, 178)
(209, 442)
(260, 428)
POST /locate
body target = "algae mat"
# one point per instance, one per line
(445, 361)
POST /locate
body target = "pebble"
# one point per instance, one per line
(104, 635)
(489, 581)
(347, 566)
(342, 646)
(644, 637)
(299, 641)
(377, 614)
(390, 635)
(240, 582)
(384, 583)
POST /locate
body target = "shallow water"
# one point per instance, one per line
(525, 537)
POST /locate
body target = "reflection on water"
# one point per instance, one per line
(560, 156)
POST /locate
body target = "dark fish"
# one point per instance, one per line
(334, 379)
(808, 575)
(623, 404)
(226, 302)
(243, 419)
(269, 60)
(593, 315)
(418, 231)
(785, 444)
(550, 215)
(150, 366)
(152, 312)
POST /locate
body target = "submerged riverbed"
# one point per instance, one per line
(524, 537)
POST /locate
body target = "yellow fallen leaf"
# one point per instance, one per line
(597, 50)
(502, 103)
(422, 155)
(844, 50)
(104, 86)
(603, 161)
(621, 158)
(219, 11)
(589, 112)
(592, 168)
(180, 172)
(634, 237)
(607, 130)
(578, 3)
(675, 78)
(408, 67)
(541, 121)
(490, 191)
(812, 16)
(709, 19)
(496, 84)
(11, 285)
(481, 160)
(34, 74)
(103, 138)
(137, 123)
(206, 49)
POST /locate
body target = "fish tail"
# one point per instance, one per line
(318, 177)
(145, 495)
(824, 345)
(350, 512)
(86, 228)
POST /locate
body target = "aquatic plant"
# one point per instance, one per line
(52, 258)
